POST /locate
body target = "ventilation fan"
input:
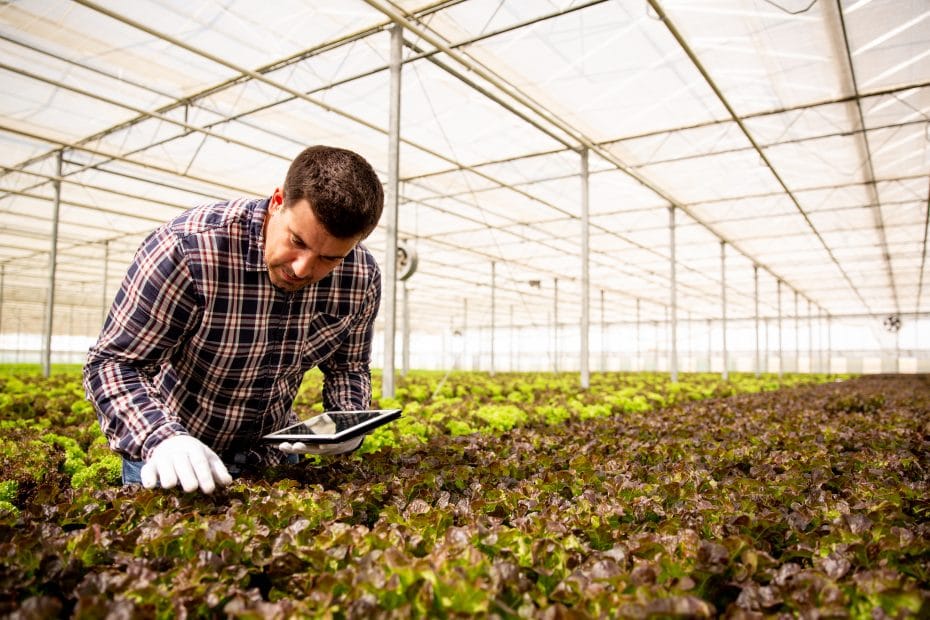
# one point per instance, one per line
(892, 322)
(406, 260)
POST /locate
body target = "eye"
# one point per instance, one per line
(296, 241)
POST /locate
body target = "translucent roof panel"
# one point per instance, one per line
(789, 135)
(761, 56)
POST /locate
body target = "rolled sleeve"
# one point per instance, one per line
(149, 317)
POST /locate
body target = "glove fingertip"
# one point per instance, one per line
(148, 476)
(220, 472)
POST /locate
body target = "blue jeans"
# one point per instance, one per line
(132, 470)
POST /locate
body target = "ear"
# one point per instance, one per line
(277, 199)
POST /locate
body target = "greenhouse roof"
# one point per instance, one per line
(788, 140)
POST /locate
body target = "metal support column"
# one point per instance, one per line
(755, 282)
(673, 295)
(897, 351)
(585, 276)
(493, 310)
(768, 349)
(817, 334)
(689, 353)
(405, 354)
(820, 340)
(2, 278)
(656, 340)
(53, 265)
(810, 338)
(555, 324)
(513, 341)
(106, 276)
(465, 332)
(710, 344)
(781, 351)
(797, 335)
(390, 213)
(603, 364)
(723, 303)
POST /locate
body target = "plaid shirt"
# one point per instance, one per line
(199, 341)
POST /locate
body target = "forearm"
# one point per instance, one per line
(132, 416)
(346, 386)
(347, 373)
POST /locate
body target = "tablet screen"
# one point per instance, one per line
(335, 426)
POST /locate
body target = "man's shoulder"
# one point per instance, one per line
(214, 216)
(364, 261)
(365, 256)
(350, 287)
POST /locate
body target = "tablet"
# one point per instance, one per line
(334, 426)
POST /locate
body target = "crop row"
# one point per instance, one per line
(508, 496)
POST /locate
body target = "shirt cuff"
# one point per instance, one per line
(160, 434)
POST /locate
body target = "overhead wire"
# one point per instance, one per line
(798, 12)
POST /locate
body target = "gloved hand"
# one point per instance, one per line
(323, 449)
(187, 460)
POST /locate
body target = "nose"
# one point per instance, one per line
(304, 265)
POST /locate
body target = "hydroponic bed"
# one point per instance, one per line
(509, 496)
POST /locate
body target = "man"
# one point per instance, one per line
(221, 313)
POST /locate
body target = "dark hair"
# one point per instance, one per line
(342, 188)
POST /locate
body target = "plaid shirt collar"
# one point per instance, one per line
(255, 260)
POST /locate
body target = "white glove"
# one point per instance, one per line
(187, 460)
(323, 449)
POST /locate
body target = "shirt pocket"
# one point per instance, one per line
(325, 333)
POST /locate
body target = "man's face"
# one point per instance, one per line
(298, 249)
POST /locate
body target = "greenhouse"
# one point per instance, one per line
(582, 185)
(654, 302)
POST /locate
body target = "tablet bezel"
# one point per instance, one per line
(385, 416)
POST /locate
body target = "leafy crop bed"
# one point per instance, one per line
(509, 496)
